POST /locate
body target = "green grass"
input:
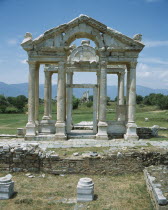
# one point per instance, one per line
(10, 122)
(123, 192)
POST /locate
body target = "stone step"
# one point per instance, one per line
(81, 136)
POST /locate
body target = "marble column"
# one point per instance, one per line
(98, 93)
(30, 126)
(121, 89)
(60, 124)
(47, 95)
(50, 95)
(95, 90)
(69, 94)
(120, 99)
(102, 125)
(131, 133)
(37, 96)
(128, 85)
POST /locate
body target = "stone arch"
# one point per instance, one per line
(80, 51)
(83, 31)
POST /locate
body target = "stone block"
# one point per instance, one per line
(85, 190)
(20, 131)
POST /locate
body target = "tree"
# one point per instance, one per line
(139, 99)
(89, 104)
(91, 98)
(108, 100)
(3, 103)
(75, 102)
(163, 102)
(21, 101)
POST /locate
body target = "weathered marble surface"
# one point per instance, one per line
(157, 183)
(85, 190)
(6, 187)
(54, 48)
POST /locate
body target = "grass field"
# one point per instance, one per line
(10, 122)
(123, 192)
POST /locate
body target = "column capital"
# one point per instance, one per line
(70, 72)
(31, 62)
(103, 65)
(61, 64)
(132, 65)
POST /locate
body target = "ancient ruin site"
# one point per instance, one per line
(59, 150)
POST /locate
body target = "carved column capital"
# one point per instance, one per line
(103, 65)
(31, 62)
(132, 65)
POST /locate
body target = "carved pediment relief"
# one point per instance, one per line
(83, 53)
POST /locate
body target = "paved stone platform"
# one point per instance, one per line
(157, 183)
(115, 143)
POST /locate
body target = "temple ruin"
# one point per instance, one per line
(114, 53)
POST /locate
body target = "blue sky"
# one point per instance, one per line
(148, 17)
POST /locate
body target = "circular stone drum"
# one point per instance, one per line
(85, 190)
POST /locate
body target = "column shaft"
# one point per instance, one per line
(102, 125)
(98, 93)
(31, 97)
(128, 86)
(103, 95)
(47, 95)
(95, 110)
(60, 124)
(69, 94)
(121, 89)
(37, 94)
(30, 126)
(50, 97)
(132, 95)
(61, 94)
(131, 133)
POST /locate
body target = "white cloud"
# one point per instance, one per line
(12, 41)
(158, 43)
(152, 76)
(24, 61)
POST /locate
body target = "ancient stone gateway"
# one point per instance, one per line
(114, 53)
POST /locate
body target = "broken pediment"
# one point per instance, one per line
(83, 27)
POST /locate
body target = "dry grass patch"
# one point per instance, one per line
(126, 192)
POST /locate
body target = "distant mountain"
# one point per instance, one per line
(22, 89)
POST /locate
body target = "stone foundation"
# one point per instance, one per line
(156, 180)
(34, 159)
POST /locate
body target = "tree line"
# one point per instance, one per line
(13, 104)
(19, 104)
(153, 99)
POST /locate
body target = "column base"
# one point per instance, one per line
(47, 126)
(37, 126)
(30, 129)
(102, 131)
(46, 117)
(131, 132)
(60, 131)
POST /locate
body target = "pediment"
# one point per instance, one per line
(82, 27)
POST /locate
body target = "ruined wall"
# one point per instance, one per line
(33, 159)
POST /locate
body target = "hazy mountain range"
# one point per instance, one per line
(22, 89)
